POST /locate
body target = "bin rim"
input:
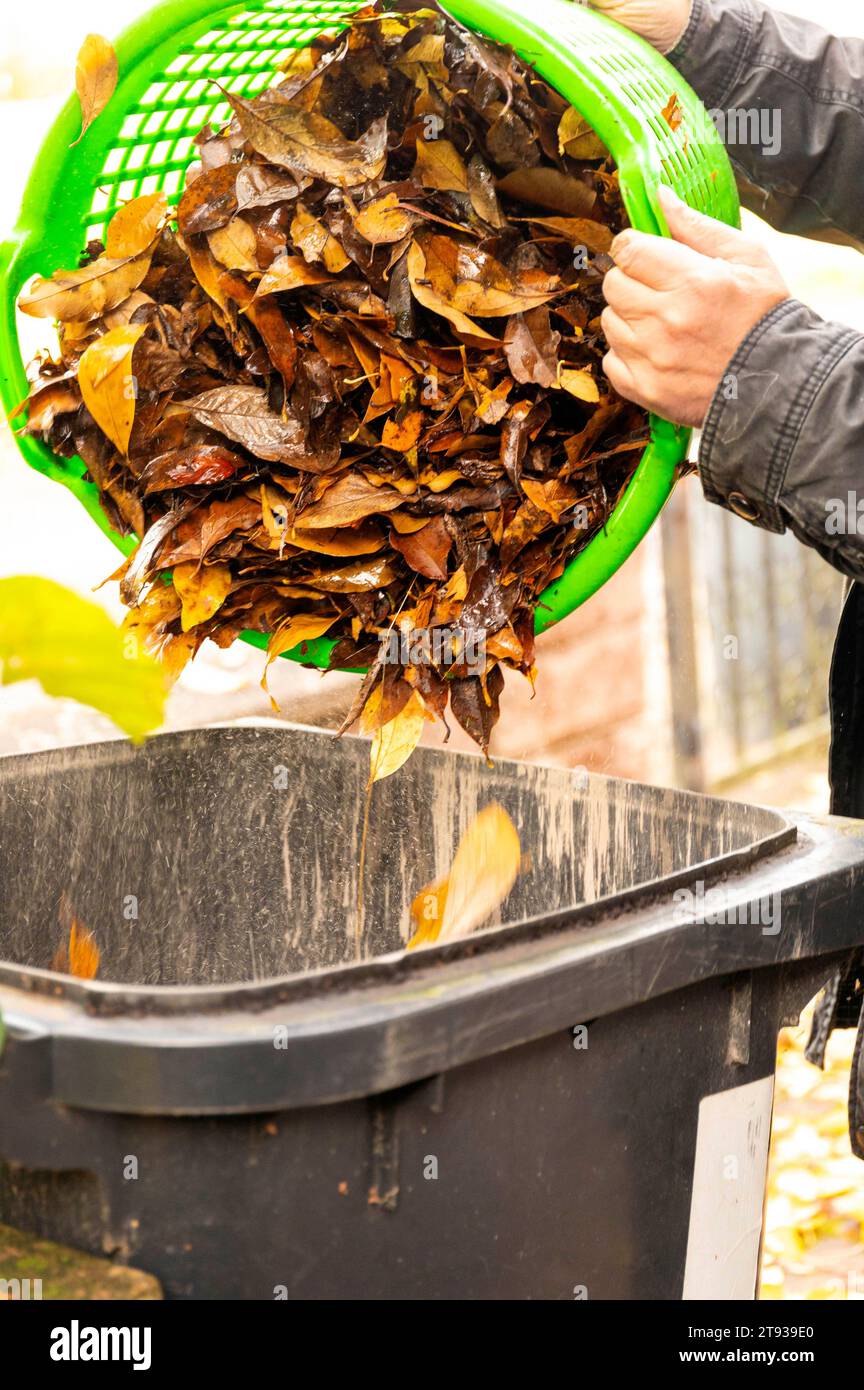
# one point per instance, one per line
(108, 997)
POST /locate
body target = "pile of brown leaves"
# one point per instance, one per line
(357, 391)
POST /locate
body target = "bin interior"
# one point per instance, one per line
(229, 855)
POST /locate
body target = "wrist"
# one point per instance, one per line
(676, 36)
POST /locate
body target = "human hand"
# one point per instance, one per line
(677, 311)
(661, 22)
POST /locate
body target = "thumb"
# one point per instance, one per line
(704, 234)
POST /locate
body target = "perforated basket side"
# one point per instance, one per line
(245, 51)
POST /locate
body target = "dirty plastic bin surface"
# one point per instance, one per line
(534, 1112)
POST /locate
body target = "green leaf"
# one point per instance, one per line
(71, 646)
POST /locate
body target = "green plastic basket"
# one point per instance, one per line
(143, 142)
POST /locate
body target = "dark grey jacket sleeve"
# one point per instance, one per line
(783, 441)
(789, 100)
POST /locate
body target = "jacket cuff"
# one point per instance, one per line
(761, 408)
(716, 48)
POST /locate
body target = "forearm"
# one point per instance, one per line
(783, 442)
(802, 171)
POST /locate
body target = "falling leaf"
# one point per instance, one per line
(107, 384)
(95, 79)
(484, 869)
(70, 645)
(396, 740)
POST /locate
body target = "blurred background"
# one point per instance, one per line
(702, 664)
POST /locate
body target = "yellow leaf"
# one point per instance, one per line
(579, 382)
(107, 384)
(310, 236)
(95, 78)
(576, 138)
(383, 221)
(202, 590)
(83, 953)
(427, 914)
(302, 627)
(403, 434)
(485, 867)
(424, 292)
(289, 273)
(80, 957)
(81, 295)
(396, 740)
(135, 226)
(235, 246)
(440, 165)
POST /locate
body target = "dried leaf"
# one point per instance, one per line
(107, 384)
(242, 413)
(85, 294)
(580, 383)
(577, 139)
(235, 245)
(549, 188)
(484, 869)
(396, 740)
(426, 550)
(135, 226)
(307, 143)
(350, 499)
(95, 79)
(202, 589)
(290, 273)
(384, 220)
(440, 165)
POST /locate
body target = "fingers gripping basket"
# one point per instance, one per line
(143, 142)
